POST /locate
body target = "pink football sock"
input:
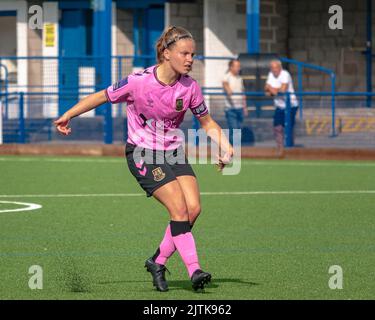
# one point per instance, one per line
(184, 241)
(166, 247)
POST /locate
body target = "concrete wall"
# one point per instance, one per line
(190, 16)
(34, 47)
(292, 28)
(50, 67)
(224, 25)
(125, 44)
(295, 29)
(311, 40)
(274, 26)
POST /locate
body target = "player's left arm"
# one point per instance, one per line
(215, 132)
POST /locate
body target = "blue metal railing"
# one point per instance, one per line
(300, 65)
(6, 86)
(288, 127)
(22, 131)
(118, 66)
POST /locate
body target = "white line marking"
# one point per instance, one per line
(219, 193)
(247, 162)
(28, 206)
(62, 160)
(290, 192)
(310, 164)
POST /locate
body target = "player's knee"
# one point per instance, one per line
(180, 212)
(195, 210)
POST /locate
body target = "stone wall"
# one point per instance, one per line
(124, 38)
(274, 26)
(311, 40)
(190, 16)
(299, 30)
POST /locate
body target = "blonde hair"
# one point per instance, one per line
(168, 38)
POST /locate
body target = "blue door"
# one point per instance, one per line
(153, 27)
(148, 26)
(75, 42)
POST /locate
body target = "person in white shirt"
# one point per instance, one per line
(279, 81)
(235, 104)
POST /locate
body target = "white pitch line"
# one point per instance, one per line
(62, 195)
(62, 160)
(247, 162)
(290, 192)
(28, 206)
(310, 164)
(219, 193)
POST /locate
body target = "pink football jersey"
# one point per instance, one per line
(156, 110)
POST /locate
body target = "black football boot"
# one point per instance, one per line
(158, 274)
(199, 279)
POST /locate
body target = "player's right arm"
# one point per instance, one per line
(88, 103)
(115, 93)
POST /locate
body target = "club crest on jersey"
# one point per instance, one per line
(179, 105)
(158, 174)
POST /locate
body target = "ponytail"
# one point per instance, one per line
(168, 38)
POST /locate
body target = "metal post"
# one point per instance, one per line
(49, 131)
(103, 48)
(136, 37)
(369, 52)
(252, 23)
(6, 87)
(1, 123)
(107, 47)
(300, 98)
(196, 127)
(6, 94)
(119, 77)
(21, 120)
(333, 97)
(288, 122)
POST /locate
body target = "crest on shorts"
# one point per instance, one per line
(158, 174)
(179, 104)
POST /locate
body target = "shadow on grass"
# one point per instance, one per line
(186, 284)
(214, 284)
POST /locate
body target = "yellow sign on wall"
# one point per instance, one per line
(50, 38)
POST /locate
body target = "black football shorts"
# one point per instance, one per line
(153, 169)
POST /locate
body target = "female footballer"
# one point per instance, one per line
(157, 99)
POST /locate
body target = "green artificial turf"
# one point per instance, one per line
(257, 246)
